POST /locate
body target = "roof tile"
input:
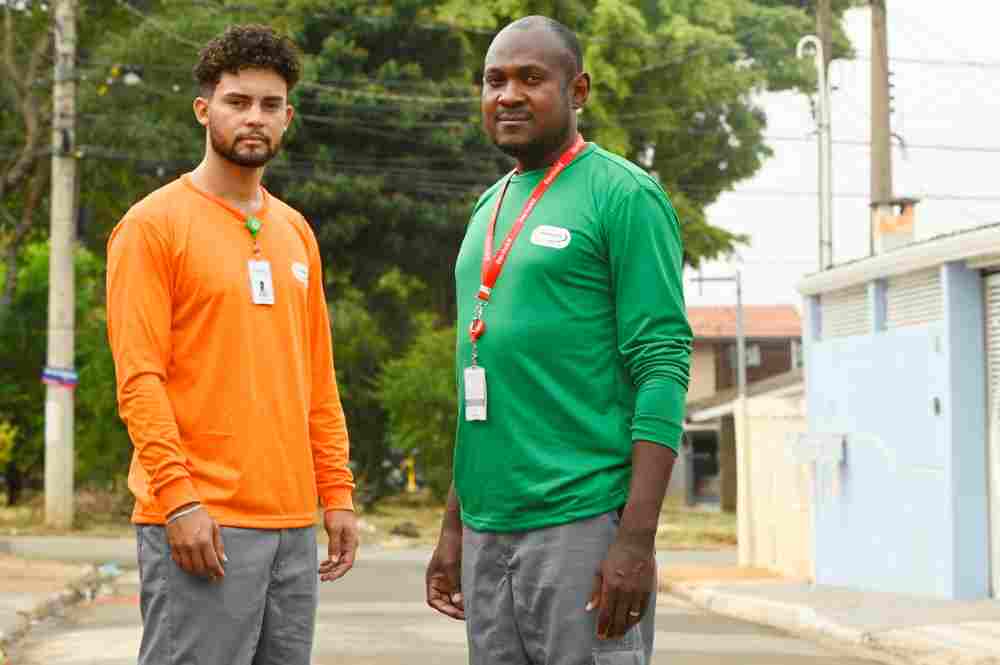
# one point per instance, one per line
(761, 321)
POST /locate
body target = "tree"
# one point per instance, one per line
(386, 156)
(24, 120)
(418, 392)
(22, 355)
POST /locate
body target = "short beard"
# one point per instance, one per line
(230, 154)
(532, 153)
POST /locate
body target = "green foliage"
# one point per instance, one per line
(385, 159)
(8, 433)
(102, 446)
(360, 346)
(418, 392)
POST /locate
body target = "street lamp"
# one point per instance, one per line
(825, 151)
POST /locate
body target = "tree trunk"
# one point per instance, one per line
(15, 482)
(33, 197)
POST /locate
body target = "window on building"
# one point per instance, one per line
(753, 356)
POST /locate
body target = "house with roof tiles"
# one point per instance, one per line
(706, 470)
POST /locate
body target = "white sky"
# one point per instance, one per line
(934, 105)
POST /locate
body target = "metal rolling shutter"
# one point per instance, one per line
(914, 299)
(845, 312)
(991, 289)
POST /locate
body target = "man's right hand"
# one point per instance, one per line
(444, 576)
(196, 544)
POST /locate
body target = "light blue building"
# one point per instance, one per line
(902, 367)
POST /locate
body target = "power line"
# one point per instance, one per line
(156, 25)
(846, 195)
(458, 119)
(976, 64)
(907, 146)
(436, 179)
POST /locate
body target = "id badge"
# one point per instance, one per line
(261, 286)
(475, 393)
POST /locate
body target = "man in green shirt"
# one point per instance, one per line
(573, 357)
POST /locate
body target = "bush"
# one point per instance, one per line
(101, 444)
(417, 390)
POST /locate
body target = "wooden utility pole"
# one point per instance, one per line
(881, 148)
(59, 374)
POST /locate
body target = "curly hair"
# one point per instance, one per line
(247, 46)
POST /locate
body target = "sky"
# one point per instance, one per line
(948, 104)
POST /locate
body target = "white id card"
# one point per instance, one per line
(475, 393)
(261, 287)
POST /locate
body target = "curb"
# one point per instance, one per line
(788, 617)
(83, 588)
(894, 647)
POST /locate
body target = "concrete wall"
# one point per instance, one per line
(775, 508)
(678, 486)
(905, 511)
(702, 381)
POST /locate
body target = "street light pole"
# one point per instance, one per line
(825, 151)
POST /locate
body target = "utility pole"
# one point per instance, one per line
(881, 148)
(824, 30)
(60, 375)
(741, 350)
(734, 469)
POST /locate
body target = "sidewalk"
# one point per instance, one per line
(42, 576)
(33, 589)
(892, 628)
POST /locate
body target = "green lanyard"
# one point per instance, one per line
(253, 226)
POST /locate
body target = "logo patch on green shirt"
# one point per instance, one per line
(555, 237)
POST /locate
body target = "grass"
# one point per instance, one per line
(97, 513)
(684, 528)
(418, 516)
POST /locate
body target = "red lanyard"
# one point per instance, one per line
(493, 263)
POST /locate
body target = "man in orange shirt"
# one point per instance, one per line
(221, 339)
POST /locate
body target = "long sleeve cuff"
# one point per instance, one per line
(659, 413)
(338, 499)
(175, 494)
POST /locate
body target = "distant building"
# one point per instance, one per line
(773, 345)
(773, 335)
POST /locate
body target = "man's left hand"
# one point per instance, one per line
(342, 529)
(622, 589)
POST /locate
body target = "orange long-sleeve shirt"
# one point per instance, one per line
(227, 402)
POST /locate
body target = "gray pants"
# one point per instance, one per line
(262, 613)
(526, 593)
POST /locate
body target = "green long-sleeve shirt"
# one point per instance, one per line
(586, 350)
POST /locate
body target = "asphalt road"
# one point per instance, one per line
(376, 616)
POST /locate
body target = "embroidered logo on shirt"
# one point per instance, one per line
(301, 272)
(555, 237)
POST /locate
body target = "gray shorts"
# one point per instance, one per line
(526, 593)
(262, 613)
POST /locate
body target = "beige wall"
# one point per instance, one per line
(775, 507)
(702, 381)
